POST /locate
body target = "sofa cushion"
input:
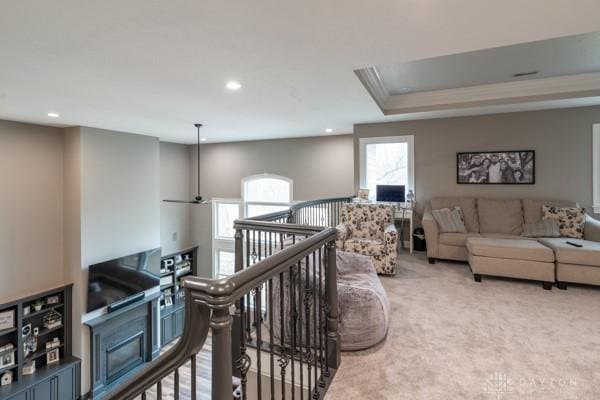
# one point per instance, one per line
(500, 216)
(589, 254)
(457, 239)
(450, 220)
(542, 228)
(571, 220)
(532, 209)
(505, 236)
(468, 206)
(514, 249)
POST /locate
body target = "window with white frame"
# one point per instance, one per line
(386, 160)
(261, 194)
(225, 212)
(266, 193)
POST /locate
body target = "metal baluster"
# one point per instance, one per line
(314, 310)
(257, 317)
(193, 377)
(271, 355)
(307, 304)
(293, 314)
(321, 322)
(283, 360)
(159, 390)
(176, 389)
(144, 396)
(243, 363)
(300, 341)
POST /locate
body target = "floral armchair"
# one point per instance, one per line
(369, 229)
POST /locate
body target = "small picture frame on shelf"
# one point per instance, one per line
(29, 345)
(53, 356)
(6, 378)
(26, 330)
(51, 300)
(26, 310)
(7, 319)
(29, 368)
(7, 355)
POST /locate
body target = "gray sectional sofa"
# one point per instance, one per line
(493, 244)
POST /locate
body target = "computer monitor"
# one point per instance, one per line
(391, 193)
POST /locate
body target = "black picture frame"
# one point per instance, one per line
(466, 174)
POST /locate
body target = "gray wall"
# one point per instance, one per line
(562, 140)
(114, 181)
(31, 209)
(175, 224)
(320, 167)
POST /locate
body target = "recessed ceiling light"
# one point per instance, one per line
(203, 139)
(328, 130)
(53, 115)
(233, 85)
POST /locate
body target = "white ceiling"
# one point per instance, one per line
(155, 67)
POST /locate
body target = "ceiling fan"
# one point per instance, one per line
(198, 199)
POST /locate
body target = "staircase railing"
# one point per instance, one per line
(273, 324)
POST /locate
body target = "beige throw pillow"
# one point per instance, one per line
(571, 220)
(450, 220)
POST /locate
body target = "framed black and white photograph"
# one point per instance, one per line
(7, 319)
(496, 167)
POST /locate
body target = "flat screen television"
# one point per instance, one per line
(390, 193)
(115, 281)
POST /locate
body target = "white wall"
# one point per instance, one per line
(31, 209)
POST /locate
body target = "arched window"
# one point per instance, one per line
(266, 193)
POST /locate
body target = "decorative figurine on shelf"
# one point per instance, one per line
(29, 368)
(37, 306)
(52, 320)
(410, 197)
(6, 378)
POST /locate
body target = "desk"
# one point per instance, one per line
(405, 214)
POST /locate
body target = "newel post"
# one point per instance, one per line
(333, 336)
(220, 324)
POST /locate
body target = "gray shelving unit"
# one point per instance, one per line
(174, 267)
(58, 380)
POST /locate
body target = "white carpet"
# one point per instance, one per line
(453, 338)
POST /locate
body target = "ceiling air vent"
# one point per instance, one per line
(521, 74)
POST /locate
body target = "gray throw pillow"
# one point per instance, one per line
(542, 228)
(450, 220)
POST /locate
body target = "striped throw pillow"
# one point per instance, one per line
(450, 220)
(542, 228)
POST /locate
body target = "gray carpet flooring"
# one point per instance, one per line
(453, 338)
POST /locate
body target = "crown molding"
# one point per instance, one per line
(524, 91)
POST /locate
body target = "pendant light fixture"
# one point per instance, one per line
(198, 199)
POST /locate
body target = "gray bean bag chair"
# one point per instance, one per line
(362, 301)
